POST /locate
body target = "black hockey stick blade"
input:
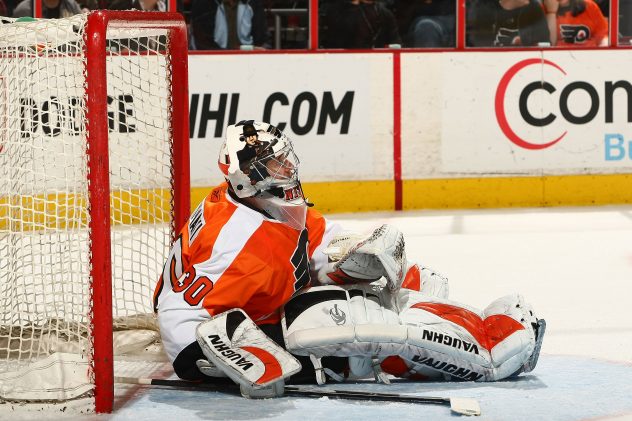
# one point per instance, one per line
(463, 406)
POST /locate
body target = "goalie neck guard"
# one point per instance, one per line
(261, 168)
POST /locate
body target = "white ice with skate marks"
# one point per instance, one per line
(561, 388)
(573, 264)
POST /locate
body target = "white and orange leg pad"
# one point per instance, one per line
(234, 344)
(358, 321)
(455, 341)
(417, 335)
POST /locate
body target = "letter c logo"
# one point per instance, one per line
(499, 105)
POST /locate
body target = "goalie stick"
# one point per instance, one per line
(463, 406)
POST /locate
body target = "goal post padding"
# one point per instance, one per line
(94, 186)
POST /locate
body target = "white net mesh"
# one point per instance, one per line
(45, 295)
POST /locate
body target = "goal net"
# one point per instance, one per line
(93, 186)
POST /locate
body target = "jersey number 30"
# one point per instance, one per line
(194, 287)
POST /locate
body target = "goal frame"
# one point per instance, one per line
(98, 164)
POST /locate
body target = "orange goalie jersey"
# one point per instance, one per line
(231, 256)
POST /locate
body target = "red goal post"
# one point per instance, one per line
(96, 91)
(94, 176)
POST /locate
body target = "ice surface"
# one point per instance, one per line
(561, 388)
(573, 264)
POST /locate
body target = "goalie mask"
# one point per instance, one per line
(260, 165)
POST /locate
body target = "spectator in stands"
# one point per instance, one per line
(6, 7)
(427, 23)
(604, 6)
(51, 9)
(625, 19)
(228, 24)
(550, 13)
(580, 23)
(143, 5)
(88, 5)
(506, 23)
(294, 27)
(359, 24)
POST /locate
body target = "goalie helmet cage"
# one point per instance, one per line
(94, 185)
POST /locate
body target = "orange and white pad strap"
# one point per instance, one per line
(234, 344)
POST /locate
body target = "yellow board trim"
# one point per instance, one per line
(198, 194)
(338, 196)
(70, 211)
(464, 193)
(62, 211)
(504, 192)
(351, 196)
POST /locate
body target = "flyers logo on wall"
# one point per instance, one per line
(540, 104)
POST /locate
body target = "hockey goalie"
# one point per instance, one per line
(261, 289)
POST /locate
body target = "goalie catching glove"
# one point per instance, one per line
(358, 258)
(235, 346)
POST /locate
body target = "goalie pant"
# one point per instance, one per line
(429, 337)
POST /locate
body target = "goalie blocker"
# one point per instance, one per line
(412, 335)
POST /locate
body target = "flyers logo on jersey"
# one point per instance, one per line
(575, 34)
(506, 37)
(216, 194)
